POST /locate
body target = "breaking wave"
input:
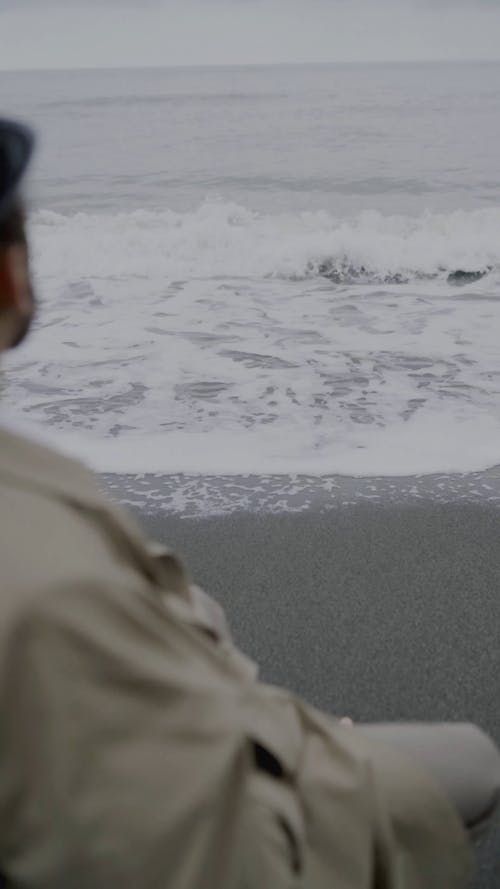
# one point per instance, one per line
(226, 240)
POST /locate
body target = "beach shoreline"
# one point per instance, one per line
(352, 578)
(201, 495)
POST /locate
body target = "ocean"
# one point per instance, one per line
(265, 270)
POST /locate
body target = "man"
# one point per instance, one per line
(137, 748)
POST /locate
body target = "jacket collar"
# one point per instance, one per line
(27, 463)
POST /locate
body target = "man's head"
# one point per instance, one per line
(16, 296)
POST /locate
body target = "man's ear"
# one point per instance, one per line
(16, 296)
(15, 290)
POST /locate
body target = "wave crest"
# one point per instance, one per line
(221, 239)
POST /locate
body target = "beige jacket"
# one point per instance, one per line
(138, 750)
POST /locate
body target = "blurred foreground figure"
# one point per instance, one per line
(137, 748)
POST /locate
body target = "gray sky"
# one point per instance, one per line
(101, 33)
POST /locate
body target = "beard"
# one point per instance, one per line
(24, 325)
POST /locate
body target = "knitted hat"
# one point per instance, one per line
(16, 147)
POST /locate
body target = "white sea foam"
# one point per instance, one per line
(227, 240)
(208, 341)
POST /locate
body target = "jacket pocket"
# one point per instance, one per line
(273, 841)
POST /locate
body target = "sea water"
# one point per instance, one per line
(247, 270)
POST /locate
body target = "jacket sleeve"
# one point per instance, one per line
(415, 836)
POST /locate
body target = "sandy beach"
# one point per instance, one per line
(382, 609)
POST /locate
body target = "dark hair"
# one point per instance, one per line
(13, 226)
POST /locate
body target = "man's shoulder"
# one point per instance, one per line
(56, 524)
(26, 461)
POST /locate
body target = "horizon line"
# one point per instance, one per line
(218, 65)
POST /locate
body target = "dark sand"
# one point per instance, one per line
(381, 610)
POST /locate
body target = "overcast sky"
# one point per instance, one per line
(101, 33)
